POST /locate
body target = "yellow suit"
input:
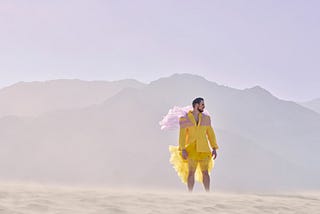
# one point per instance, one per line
(194, 138)
(191, 132)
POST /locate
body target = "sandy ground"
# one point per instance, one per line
(19, 198)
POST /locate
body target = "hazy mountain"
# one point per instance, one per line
(313, 105)
(265, 143)
(35, 98)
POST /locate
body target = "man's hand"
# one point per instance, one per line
(214, 154)
(184, 154)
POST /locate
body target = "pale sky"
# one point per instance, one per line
(239, 43)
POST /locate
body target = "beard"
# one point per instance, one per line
(200, 110)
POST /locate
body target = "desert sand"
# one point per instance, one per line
(31, 199)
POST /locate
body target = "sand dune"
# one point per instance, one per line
(31, 199)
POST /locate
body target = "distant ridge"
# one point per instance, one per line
(35, 98)
(313, 105)
(265, 143)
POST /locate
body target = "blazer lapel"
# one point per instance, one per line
(191, 118)
(200, 118)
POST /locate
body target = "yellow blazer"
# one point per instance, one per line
(191, 132)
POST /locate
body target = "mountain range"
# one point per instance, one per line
(313, 105)
(71, 131)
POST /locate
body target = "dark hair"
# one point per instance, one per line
(197, 100)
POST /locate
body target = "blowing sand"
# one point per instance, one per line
(22, 198)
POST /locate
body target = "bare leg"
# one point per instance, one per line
(206, 180)
(190, 180)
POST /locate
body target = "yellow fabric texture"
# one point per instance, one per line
(194, 138)
(181, 165)
(201, 132)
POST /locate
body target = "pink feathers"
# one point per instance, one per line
(171, 120)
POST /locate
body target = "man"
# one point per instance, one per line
(195, 129)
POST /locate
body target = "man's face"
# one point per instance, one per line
(200, 106)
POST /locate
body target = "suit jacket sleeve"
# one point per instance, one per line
(211, 136)
(182, 136)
